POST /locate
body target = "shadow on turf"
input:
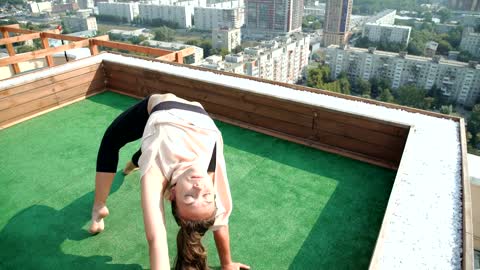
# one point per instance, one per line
(344, 234)
(32, 239)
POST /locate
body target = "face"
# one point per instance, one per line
(194, 194)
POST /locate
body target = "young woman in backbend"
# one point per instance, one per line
(181, 159)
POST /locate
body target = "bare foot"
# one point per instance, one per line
(129, 167)
(98, 213)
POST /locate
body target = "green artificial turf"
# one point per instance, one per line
(294, 207)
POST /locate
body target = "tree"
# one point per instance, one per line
(377, 85)
(445, 14)
(473, 124)
(25, 48)
(410, 95)
(164, 34)
(446, 109)
(427, 17)
(363, 87)
(464, 56)
(386, 96)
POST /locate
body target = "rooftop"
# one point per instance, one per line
(427, 152)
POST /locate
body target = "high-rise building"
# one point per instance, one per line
(270, 18)
(337, 22)
(471, 5)
(282, 59)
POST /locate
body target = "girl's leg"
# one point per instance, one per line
(103, 183)
(127, 127)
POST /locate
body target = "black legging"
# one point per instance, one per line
(127, 127)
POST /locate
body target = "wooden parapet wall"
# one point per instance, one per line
(30, 98)
(374, 141)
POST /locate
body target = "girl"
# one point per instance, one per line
(181, 159)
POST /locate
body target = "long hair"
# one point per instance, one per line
(191, 254)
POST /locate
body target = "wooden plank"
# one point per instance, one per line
(358, 146)
(14, 29)
(468, 256)
(50, 100)
(63, 37)
(93, 48)
(355, 132)
(313, 90)
(45, 45)
(20, 38)
(374, 124)
(321, 114)
(36, 93)
(171, 57)
(41, 111)
(130, 47)
(42, 53)
(27, 108)
(201, 96)
(80, 90)
(212, 105)
(309, 143)
(11, 52)
(48, 80)
(284, 136)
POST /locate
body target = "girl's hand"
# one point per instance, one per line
(235, 266)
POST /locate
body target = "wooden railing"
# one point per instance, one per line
(74, 42)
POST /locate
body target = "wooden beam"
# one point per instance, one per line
(130, 47)
(11, 52)
(12, 29)
(468, 256)
(45, 45)
(20, 38)
(63, 37)
(41, 53)
(171, 57)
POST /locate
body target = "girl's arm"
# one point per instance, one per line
(153, 184)
(222, 241)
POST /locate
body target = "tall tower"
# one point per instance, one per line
(337, 22)
(270, 18)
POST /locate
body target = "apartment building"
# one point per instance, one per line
(128, 10)
(178, 14)
(226, 38)
(470, 41)
(39, 7)
(458, 81)
(470, 5)
(337, 22)
(268, 19)
(84, 4)
(210, 18)
(387, 32)
(80, 23)
(282, 59)
(384, 17)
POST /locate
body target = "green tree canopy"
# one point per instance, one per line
(164, 34)
(410, 95)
